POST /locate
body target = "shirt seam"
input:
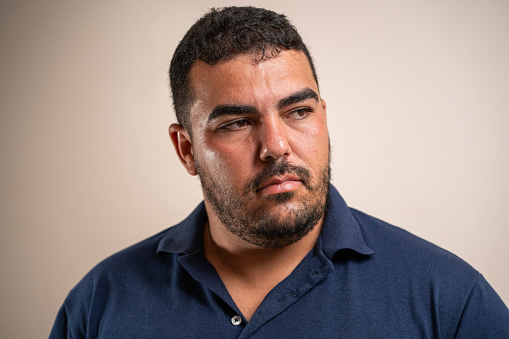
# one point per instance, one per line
(467, 300)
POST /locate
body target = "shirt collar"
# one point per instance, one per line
(340, 230)
(186, 236)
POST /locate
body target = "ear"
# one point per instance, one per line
(324, 106)
(183, 147)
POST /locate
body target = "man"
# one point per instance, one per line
(273, 251)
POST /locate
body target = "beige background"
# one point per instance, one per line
(417, 95)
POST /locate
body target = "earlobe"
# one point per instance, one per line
(183, 147)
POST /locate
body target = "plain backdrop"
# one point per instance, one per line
(417, 95)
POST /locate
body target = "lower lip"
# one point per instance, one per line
(286, 186)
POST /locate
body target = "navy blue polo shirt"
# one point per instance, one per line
(364, 279)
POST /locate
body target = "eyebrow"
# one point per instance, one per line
(221, 110)
(305, 94)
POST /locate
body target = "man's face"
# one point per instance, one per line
(260, 146)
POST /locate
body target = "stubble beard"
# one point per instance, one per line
(260, 224)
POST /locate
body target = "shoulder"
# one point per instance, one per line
(117, 278)
(393, 242)
(424, 269)
(122, 269)
(132, 257)
(428, 277)
(144, 262)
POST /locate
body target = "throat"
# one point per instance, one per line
(248, 297)
(249, 287)
(250, 272)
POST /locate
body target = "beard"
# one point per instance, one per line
(274, 221)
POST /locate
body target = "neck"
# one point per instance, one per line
(248, 271)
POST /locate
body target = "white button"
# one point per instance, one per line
(236, 320)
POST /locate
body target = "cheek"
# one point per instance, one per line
(235, 148)
(313, 141)
(227, 161)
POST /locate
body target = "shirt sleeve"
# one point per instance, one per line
(485, 315)
(60, 328)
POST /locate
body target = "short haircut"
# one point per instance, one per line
(222, 34)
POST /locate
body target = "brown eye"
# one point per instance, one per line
(240, 123)
(235, 125)
(299, 114)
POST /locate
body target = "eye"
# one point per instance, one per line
(234, 125)
(299, 114)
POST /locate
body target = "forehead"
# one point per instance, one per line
(246, 80)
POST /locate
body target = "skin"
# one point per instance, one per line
(232, 146)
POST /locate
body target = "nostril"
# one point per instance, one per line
(275, 150)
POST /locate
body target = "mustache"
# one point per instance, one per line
(277, 169)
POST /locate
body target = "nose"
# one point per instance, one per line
(274, 140)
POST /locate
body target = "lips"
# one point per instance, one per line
(280, 184)
(278, 177)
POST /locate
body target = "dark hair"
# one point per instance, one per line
(222, 34)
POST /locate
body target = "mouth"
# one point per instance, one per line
(282, 184)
